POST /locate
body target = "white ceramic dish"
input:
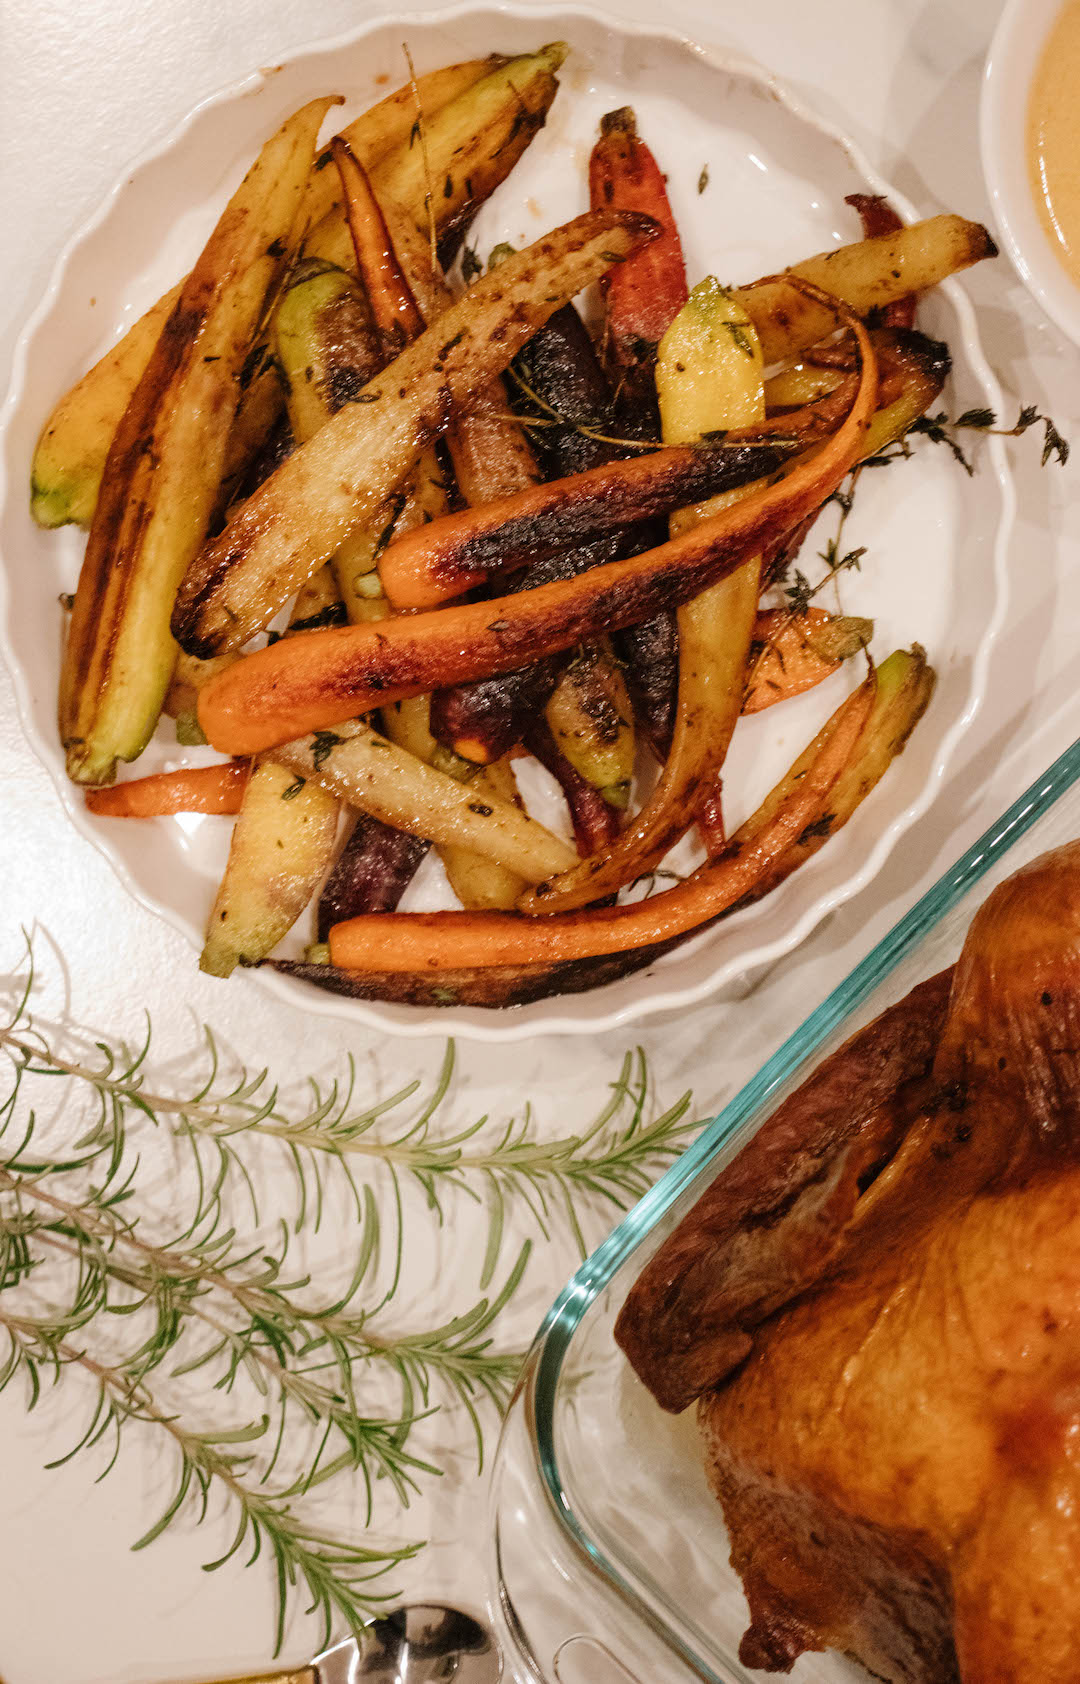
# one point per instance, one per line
(1014, 56)
(778, 175)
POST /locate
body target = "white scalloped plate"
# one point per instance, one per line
(936, 567)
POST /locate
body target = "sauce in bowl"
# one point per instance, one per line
(1053, 137)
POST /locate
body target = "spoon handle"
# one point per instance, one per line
(301, 1675)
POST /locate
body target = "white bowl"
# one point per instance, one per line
(938, 541)
(1014, 57)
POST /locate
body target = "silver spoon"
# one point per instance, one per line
(425, 1643)
(428, 1643)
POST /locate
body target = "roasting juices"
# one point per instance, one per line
(1053, 137)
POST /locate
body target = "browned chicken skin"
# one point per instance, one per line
(893, 1424)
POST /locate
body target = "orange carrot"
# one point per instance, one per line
(192, 789)
(642, 299)
(392, 303)
(434, 941)
(451, 555)
(788, 660)
(313, 681)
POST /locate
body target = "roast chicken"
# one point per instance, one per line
(877, 1307)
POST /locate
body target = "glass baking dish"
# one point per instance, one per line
(611, 1555)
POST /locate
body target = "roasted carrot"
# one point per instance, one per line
(339, 478)
(557, 379)
(436, 941)
(450, 556)
(709, 375)
(373, 870)
(638, 310)
(191, 789)
(490, 456)
(643, 299)
(562, 386)
(902, 687)
(316, 680)
(595, 821)
(878, 217)
(867, 275)
(394, 307)
(649, 652)
(791, 653)
(483, 719)
(489, 453)
(492, 987)
(592, 722)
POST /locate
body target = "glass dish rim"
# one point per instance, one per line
(553, 1338)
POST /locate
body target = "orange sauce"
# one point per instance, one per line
(1053, 137)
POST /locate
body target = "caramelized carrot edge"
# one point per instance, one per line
(191, 789)
(307, 682)
(435, 941)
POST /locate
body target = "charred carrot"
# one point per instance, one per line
(650, 655)
(595, 821)
(557, 381)
(489, 454)
(791, 653)
(558, 385)
(192, 789)
(643, 299)
(492, 987)
(638, 310)
(394, 307)
(867, 275)
(901, 689)
(373, 870)
(562, 385)
(434, 941)
(484, 719)
(313, 681)
(337, 480)
(709, 374)
(452, 555)
(591, 720)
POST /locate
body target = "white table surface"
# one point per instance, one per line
(83, 89)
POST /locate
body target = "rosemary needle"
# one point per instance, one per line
(265, 1390)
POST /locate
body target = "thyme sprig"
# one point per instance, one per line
(940, 429)
(800, 593)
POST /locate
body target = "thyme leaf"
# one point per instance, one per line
(323, 744)
(939, 429)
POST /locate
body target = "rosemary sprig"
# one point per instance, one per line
(337, 1574)
(615, 1159)
(164, 1311)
